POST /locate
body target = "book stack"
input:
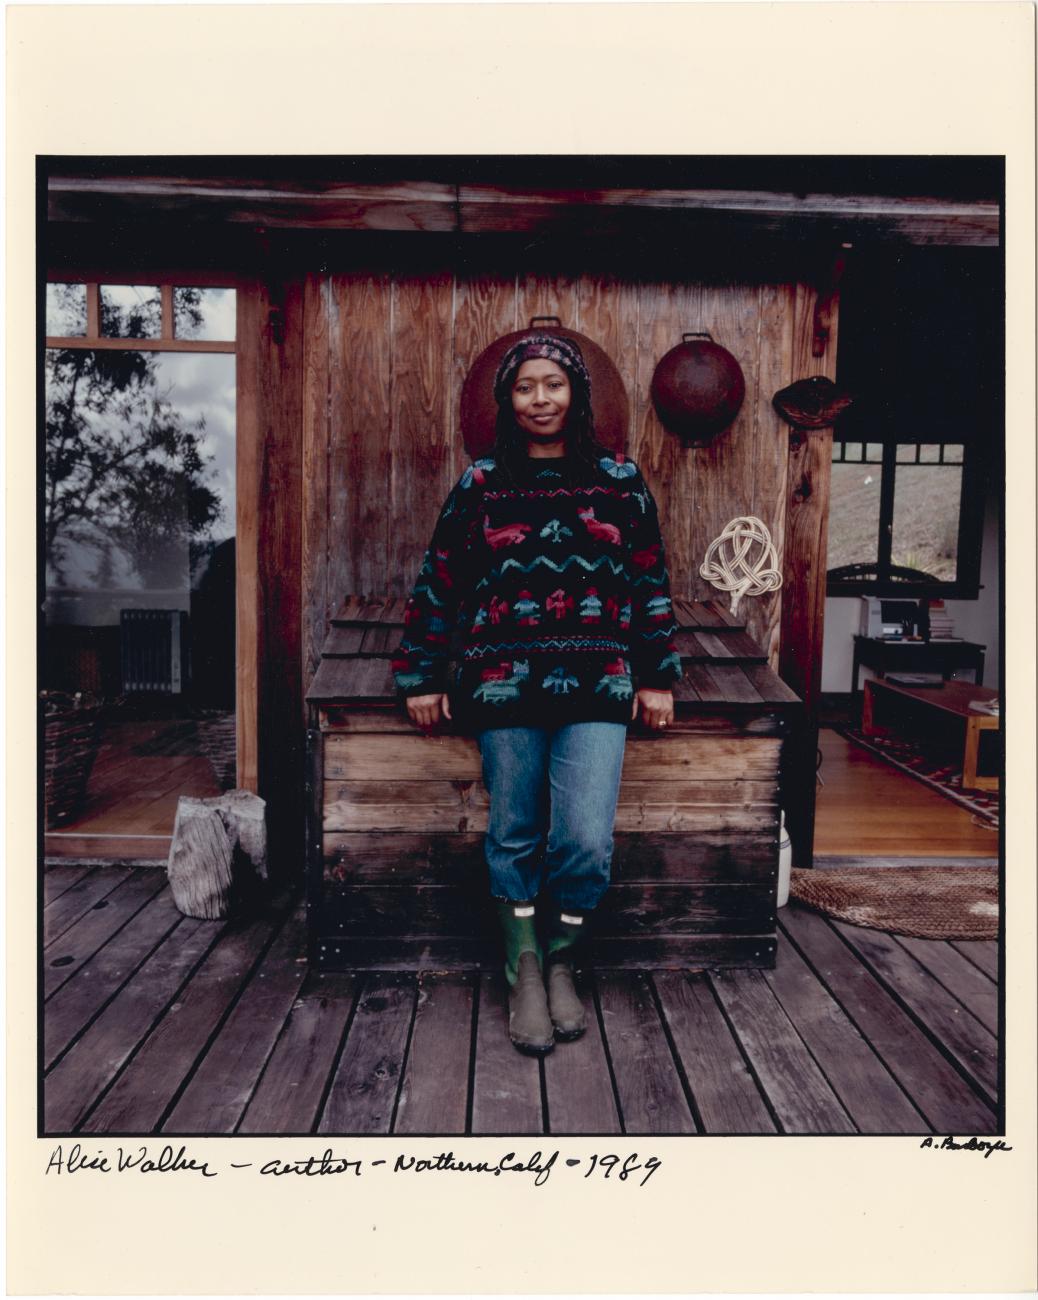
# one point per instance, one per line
(941, 626)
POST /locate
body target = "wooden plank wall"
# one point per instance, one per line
(386, 355)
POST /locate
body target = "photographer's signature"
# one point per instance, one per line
(970, 1144)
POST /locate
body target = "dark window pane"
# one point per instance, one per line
(204, 314)
(66, 310)
(854, 515)
(131, 311)
(925, 532)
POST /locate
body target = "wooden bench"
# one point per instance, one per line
(885, 701)
(396, 819)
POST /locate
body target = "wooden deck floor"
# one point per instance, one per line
(155, 1023)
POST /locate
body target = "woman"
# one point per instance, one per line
(547, 565)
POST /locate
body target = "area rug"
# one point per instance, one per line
(929, 764)
(919, 902)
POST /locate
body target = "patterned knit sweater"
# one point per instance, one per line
(556, 597)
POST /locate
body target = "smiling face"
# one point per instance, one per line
(541, 397)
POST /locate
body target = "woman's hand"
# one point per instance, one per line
(657, 708)
(426, 710)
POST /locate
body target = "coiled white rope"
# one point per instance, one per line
(731, 565)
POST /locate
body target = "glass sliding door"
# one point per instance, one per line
(138, 664)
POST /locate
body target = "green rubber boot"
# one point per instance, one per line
(529, 1024)
(565, 933)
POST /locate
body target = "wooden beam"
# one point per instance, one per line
(115, 272)
(230, 186)
(271, 329)
(613, 214)
(141, 345)
(411, 206)
(316, 434)
(249, 458)
(269, 469)
(761, 202)
(435, 206)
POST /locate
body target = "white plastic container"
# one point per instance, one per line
(785, 862)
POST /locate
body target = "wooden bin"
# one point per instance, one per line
(396, 819)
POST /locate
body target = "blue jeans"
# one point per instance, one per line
(553, 799)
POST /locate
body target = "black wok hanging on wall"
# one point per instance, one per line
(697, 389)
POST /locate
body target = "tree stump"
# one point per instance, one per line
(218, 854)
(245, 816)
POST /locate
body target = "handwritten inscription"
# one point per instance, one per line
(508, 1164)
(312, 1166)
(971, 1144)
(121, 1160)
(623, 1169)
(169, 1160)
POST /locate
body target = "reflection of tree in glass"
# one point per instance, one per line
(143, 319)
(189, 310)
(66, 309)
(123, 469)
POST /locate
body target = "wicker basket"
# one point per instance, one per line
(71, 739)
(217, 740)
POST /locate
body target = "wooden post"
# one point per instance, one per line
(804, 572)
(270, 686)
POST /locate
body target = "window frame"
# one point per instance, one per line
(167, 341)
(247, 493)
(966, 585)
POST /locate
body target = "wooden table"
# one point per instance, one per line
(937, 656)
(883, 698)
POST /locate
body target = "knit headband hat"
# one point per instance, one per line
(551, 347)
